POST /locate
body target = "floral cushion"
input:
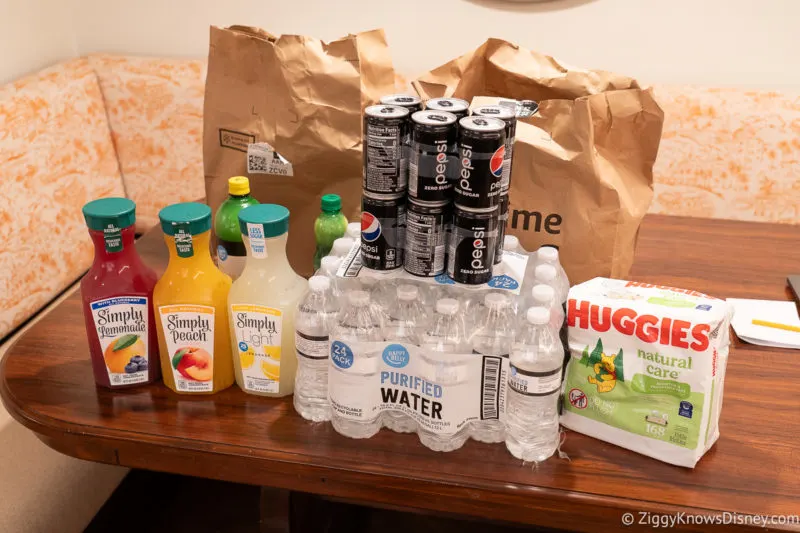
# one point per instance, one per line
(728, 153)
(155, 109)
(56, 154)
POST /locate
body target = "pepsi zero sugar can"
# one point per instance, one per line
(426, 237)
(502, 220)
(383, 225)
(456, 106)
(481, 149)
(432, 159)
(409, 101)
(473, 242)
(385, 158)
(510, 119)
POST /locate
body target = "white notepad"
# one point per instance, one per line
(782, 312)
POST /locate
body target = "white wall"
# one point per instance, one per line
(712, 42)
(33, 35)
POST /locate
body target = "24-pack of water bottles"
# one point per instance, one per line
(427, 318)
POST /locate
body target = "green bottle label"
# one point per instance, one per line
(112, 235)
(183, 243)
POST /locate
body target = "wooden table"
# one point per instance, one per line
(753, 469)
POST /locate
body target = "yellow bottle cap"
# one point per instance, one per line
(238, 186)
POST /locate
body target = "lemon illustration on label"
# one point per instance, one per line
(247, 357)
(271, 369)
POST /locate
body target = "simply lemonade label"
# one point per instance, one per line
(442, 393)
(121, 326)
(258, 338)
(647, 361)
(189, 332)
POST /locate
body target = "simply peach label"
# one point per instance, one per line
(121, 326)
(189, 332)
(258, 339)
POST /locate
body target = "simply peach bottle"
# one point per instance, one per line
(190, 305)
(262, 305)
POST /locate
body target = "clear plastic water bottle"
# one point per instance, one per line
(341, 246)
(406, 316)
(545, 296)
(360, 327)
(534, 383)
(315, 316)
(548, 255)
(547, 274)
(353, 231)
(494, 337)
(511, 244)
(445, 349)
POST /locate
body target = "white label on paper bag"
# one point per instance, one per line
(263, 159)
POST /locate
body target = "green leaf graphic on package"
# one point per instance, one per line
(607, 368)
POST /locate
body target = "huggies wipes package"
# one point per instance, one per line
(647, 367)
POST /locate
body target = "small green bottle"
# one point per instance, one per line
(329, 226)
(231, 253)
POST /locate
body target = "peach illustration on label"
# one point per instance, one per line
(193, 363)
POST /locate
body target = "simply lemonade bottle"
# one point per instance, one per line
(117, 293)
(262, 304)
(190, 304)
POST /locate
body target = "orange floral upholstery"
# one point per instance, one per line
(155, 109)
(56, 154)
(728, 153)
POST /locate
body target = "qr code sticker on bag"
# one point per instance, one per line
(263, 159)
(256, 163)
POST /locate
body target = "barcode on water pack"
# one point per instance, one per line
(490, 395)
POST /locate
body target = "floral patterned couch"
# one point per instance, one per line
(109, 125)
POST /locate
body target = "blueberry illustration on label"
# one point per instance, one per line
(396, 356)
(341, 355)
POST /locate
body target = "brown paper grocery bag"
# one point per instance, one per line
(304, 99)
(582, 175)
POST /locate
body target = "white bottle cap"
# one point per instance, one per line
(353, 230)
(341, 246)
(495, 300)
(548, 254)
(543, 294)
(359, 298)
(330, 265)
(545, 273)
(319, 283)
(538, 316)
(511, 242)
(407, 292)
(447, 306)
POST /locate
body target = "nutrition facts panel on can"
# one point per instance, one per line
(425, 243)
(385, 159)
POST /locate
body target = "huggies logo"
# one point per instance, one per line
(647, 328)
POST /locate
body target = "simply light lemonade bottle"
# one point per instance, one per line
(190, 305)
(262, 305)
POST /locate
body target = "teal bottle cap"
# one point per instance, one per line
(331, 203)
(192, 217)
(105, 212)
(273, 218)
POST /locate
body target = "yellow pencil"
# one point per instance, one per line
(775, 325)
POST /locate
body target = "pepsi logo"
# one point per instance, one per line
(441, 157)
(370, 227)
(496, 162)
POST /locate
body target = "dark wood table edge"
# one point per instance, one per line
(531, 505)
